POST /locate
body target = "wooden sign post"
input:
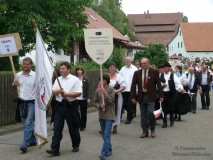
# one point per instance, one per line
(10, 44)
(99, 46)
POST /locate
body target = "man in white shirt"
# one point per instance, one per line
(205, 79)
(171, 84)
(25, 83)
(66, 108)
(127, 73)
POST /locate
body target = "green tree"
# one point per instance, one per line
(112, 12)
(117, 57)
(185, 19)
(156, 53)
(58, 21)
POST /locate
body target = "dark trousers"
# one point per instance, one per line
(127, 105)
(193, 102)
(134, 109)
(171, 118)
(71, 115)
(147, 115)
(205, 99)
(168, 106)
(83, 113)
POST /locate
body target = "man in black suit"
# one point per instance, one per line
(193, 85)
(205, 80)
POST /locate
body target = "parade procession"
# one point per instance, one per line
(129, 84)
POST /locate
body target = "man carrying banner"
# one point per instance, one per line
(66, 108)
(25, 80)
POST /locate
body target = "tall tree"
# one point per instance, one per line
(59, 21)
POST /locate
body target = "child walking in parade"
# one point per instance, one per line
(106, 114)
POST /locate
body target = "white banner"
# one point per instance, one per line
(43, 81)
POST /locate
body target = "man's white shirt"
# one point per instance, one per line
(127, 74)
(26, 85)
(178, 85)
(69, 84)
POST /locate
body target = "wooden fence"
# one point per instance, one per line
(7, 94)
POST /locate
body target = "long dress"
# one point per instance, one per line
(112, 83)
(181, 99)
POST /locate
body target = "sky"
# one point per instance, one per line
(195, 10)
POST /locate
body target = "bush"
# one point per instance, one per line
(156, 53)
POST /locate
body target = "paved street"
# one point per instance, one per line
(189, 139)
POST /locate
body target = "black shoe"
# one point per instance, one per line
(32, 144)
(128, 121)
(172, 124)
(100, 132)
(179, 119)
(75, 149)
(194, 112)
(207, 108)
(23, 149)
(203, 108)
(164, 125)
(82, 129)
(54, 153)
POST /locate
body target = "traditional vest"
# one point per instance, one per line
(170, 82)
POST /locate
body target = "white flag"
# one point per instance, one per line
(43, 82)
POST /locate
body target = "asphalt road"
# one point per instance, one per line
(189, 139)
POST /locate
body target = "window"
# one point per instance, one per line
(180, 32)
(178, 44)
(181, 44)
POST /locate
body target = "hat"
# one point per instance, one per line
(167, 64)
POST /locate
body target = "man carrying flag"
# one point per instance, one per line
(66, 109)
(43, 85)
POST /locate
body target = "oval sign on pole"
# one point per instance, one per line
(99, 44)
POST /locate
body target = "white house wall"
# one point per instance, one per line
(200, 54)
(173, 48)
(56, 57)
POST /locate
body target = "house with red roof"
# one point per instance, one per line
(95, 21)
(155, 28)
(193, 40)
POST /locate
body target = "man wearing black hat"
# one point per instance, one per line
(170, 83)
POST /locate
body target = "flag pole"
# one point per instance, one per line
(36, 30)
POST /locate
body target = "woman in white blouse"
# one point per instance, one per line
(118, 83)
(184, 81)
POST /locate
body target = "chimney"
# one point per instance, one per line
(147, 15)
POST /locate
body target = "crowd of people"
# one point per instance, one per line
(138, 83)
